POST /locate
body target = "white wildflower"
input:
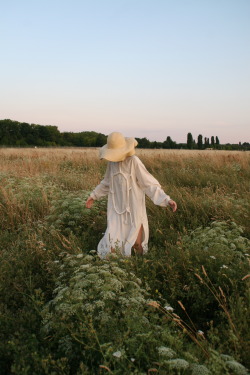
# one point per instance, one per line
(212, 257)
(166, 352)
(224, 266)
(132, 359)
(227, 357)
(84, 266)
(200, 370)
(201, 333)
(178, 364)
(237, 368)
(117, 354)
(168, 308)
(79, 255)
(88, 258)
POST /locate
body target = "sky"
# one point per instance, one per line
(146, 68)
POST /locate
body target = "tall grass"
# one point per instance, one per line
(190, 292)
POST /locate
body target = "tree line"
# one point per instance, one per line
(22, 134)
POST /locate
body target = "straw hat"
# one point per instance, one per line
(118, 147)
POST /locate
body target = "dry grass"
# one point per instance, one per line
(76, 168)
(23, 161)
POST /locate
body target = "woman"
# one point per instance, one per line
(126, 182)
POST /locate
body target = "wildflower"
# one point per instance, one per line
(201, 333)
(200, 370)
(212, 257)
(79, 255)
(224, 266)
(166, 352)
(132, 359)
(168, 308)
(237, 367)
(117, 354)
(178, 364)
(84, 266)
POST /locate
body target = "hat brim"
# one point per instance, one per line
(119, 154)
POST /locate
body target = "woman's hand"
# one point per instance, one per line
(89, 202)
(173, 205)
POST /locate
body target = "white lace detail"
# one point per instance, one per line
(121, 181)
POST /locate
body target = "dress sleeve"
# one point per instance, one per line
(150, 185)
(102, 189)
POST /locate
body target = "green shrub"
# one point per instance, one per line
(69, 216)
(203, 272)
(100, 316)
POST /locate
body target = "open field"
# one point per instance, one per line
(181, 309)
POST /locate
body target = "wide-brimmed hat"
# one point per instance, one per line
(118, 147)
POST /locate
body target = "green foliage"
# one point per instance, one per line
(200, 143)
(69, 215)
(181, 309)
(220, 249)
(101, 313)
(14, 133)
(190, 141)
(202, 272)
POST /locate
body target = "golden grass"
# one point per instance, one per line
(20, 158)
(80, 168)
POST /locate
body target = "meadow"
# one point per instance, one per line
(183, 308)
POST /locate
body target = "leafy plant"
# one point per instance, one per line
(101, 309)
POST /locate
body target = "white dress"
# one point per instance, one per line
(126, 184)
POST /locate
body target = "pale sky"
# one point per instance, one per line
(147, 68)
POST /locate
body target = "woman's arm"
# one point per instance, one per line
(100, 191)
(151, 186)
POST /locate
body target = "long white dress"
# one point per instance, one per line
(126, 184)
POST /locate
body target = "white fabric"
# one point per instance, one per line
(126, 184)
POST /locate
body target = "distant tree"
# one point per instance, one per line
(101, 140)
(246, 146)
(190, 141)
(169, 143)
(9, 132)
(200, 143)
(155, 144)
(143, 142)
(212, 141)
(49, 134)
(217, 141)
(25, 130)
(67, 139)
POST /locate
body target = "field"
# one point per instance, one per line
(183, 308)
